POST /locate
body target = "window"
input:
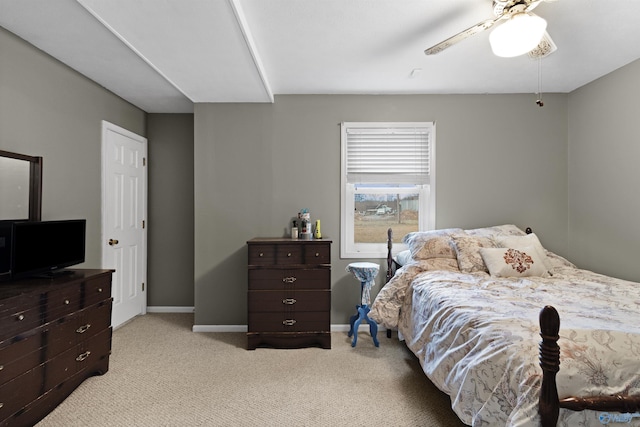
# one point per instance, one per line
(388, 181)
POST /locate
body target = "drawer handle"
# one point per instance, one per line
(289, 254)
(99, 289)
(289, 279)
(82, 357)
(289, 301)
(66, 302)
(1, 367)
(84, 328)
(317, 254)
(261, 255)
(289, 322)
(20, 317)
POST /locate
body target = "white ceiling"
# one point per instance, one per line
(165, 55)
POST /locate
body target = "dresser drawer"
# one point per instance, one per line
(262, 254)
(96, 290)
(16, 393)
(20, 356)
(83, 356)
(289, 322)
(288, 254)
(283, 279)
(16, 303)
(15, 322)
(71, 330)
(317, 254)
(289, 301)
(63, 301)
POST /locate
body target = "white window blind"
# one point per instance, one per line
(378, 154)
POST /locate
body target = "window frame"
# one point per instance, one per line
(426, 191)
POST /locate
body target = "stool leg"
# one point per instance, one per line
(373, 330)
(373, 326)
(352, 320)
(356, 325)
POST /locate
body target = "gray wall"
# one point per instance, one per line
(170, 237)
(604, 150)
(49, 110)
(243, 170)
(499, 159)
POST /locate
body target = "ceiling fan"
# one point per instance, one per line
(523, 32)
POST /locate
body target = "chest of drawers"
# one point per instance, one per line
(289, 293)
(54, 333)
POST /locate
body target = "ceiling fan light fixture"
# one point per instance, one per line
(520, 34)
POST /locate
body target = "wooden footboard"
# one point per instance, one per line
(549, 404)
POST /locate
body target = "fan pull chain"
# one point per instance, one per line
(539, 100)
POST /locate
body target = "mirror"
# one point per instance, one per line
(20, 186)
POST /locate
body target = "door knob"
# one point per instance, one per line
(113, 242)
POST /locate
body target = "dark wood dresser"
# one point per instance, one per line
(54, 333)
(289, 293)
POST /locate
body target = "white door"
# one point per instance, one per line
(124, 212)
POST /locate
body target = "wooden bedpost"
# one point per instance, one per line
(389, 263)
(548, 406)
(389, 256)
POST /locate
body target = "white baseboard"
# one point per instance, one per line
(243, 328)
(219, 328)
(363, 327)
(240, 328)
(170, 309)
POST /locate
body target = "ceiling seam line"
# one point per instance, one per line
(246, 34)
(133, 49)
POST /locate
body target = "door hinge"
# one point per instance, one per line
(142, 286)
(143, 223)
(144, 161)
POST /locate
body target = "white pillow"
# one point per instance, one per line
(468, 253)
(509, 262)
(403, 257)
(518, 242)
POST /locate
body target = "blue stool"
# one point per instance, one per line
(366, 273)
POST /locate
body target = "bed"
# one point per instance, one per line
(473, 305)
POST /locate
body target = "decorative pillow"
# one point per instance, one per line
(497, 230)
(468, 252)
(403, 257)
(431, 244)
(509, 262)
(517, 242)
(438, 264)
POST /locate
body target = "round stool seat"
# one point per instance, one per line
(366, 273)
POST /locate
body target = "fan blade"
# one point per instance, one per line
(501, 7)
(461, 36)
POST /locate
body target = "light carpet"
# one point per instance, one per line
(162, 374)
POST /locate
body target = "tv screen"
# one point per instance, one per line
(46, 246)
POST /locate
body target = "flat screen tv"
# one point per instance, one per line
(46, 247)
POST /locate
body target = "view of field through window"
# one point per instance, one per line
(376, 213)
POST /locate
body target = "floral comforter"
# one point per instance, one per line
(477, 337)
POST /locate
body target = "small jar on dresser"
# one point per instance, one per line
(289, 293)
